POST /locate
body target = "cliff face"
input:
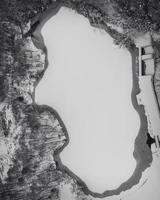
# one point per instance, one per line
(31, 136)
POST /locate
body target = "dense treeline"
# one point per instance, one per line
(142, 15)
(131, 16)
(21, 11)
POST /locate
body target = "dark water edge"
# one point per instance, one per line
(142, 152)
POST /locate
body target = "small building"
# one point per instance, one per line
(146, 60)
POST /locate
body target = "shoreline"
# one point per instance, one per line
(143, 159)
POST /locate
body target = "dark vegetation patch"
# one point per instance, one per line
(150, 140)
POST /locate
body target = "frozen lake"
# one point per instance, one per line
(89, 83)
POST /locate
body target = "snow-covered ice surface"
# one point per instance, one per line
(89, 83)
